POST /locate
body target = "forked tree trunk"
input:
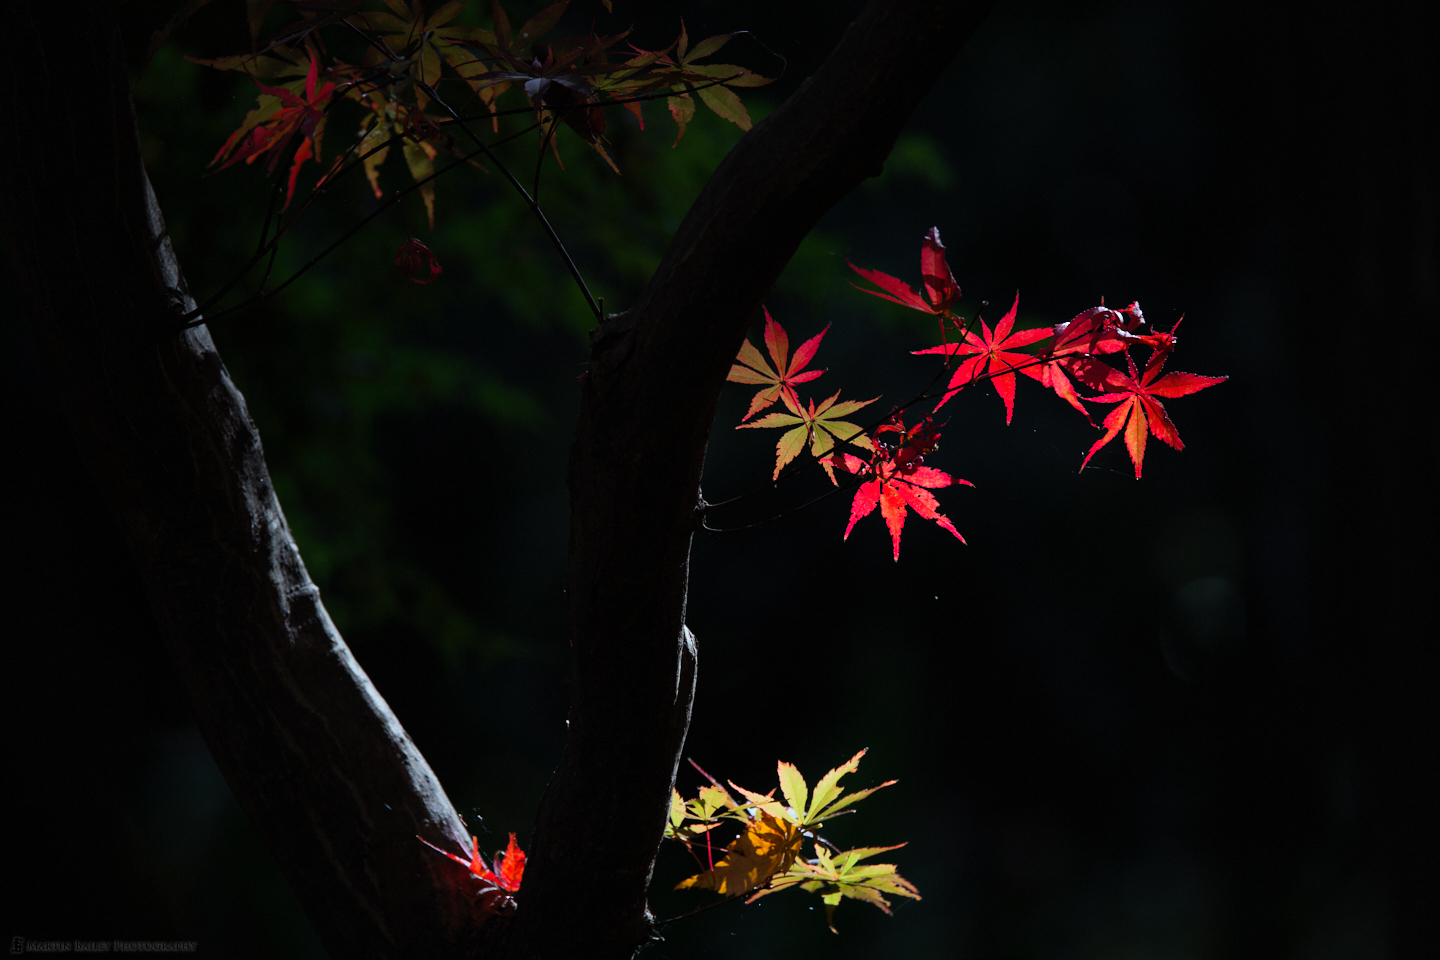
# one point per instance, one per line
(314, 755)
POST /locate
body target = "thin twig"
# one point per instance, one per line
(780, 516)
(540, 160)
(399, 194)
(520, 188)
(269, 212)
(697, 910)
(434, 95)
(796, 467)
(280, 231)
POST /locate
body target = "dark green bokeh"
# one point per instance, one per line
(1107, 712)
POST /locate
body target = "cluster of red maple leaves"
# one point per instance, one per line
(893, 476)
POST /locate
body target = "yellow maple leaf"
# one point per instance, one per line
(768, 846)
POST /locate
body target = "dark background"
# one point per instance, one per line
(1178, 718)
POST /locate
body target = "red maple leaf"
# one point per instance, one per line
(296, 115)
(895, 485)
(1140, 412)
(940, 283)
(991, 355)
(914, 443)
(1050, 373)
(509, 864)
(1097, 330)
(752, 367)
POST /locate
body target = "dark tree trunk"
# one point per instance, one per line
(334, 785)
(318, 761)
(649, 403)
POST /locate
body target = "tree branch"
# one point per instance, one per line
(334, 785)
(647, 410)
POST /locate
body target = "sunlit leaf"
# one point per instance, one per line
(767, 846)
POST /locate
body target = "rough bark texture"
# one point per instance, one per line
(334, 785)
(648, 407)
(313, 753)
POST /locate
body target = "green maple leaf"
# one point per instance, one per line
(803, 807)
(838, 876)
(819, 426)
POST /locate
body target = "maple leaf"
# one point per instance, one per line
(1097, 330)
(914, 443)
(417, 262)
(1140, 411)
(820, 426)
(420, 41)
(894, 486)
(828, 799)
(768, 845)
(690, 820)
(388, 120)
(764, 857)
(506, 876)
(559, 80)
(723, 101)
(273, 124)
(840, 875)
(510, 866)
(751, 367)
(940, 283)
(683, 75)
(991, 354)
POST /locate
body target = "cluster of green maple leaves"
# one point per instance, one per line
(766, 856)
